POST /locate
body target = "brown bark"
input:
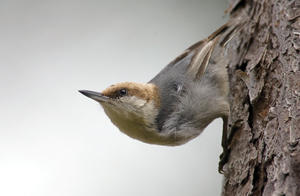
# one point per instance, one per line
(264, 76)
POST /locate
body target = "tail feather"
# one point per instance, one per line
(203, 49)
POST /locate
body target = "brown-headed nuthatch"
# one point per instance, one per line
(178, 103)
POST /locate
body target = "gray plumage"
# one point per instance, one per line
(180, 101)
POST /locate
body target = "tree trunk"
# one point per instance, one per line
(264, 76)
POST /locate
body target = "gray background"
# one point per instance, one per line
(55, 141)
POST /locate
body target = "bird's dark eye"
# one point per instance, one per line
(123, 92)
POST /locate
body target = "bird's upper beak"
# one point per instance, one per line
(99, 97)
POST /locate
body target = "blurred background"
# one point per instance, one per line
(55, 141)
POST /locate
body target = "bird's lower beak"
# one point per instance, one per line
(94, 95)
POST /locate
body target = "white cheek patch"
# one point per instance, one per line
(131, 108)
(143, 108)
(134, 101)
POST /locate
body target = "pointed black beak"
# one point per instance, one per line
(94, 95)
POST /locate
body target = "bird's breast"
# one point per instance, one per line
(136, 127)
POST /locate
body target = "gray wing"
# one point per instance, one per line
(187, 68)
(195, 58)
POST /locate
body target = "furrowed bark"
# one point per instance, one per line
(264, 74)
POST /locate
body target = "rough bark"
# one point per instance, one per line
(264, 76)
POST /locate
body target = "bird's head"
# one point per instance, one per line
(128, 96)
(132, 107)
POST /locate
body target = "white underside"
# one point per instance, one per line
(137, 121)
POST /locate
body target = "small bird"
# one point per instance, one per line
(178, 103)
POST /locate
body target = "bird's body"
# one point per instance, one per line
(178, 103)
